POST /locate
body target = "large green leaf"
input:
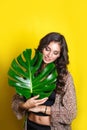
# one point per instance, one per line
(22, 75)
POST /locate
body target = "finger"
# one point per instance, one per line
(35, 97)
(41, 101)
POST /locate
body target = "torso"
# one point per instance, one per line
(42, 118)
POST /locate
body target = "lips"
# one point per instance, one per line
(46, 58)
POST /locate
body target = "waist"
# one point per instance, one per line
(43, 120)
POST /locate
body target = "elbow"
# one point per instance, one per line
(70, 117)
(67, 118)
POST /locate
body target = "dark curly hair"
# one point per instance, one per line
(62, 61)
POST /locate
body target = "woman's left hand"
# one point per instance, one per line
(40, 108)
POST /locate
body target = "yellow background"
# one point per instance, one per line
(22, 24)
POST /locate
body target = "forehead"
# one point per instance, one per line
(54, 46)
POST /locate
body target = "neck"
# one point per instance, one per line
(44, 65)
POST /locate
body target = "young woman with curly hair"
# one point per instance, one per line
(57, 111)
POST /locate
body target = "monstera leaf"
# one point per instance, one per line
(24, 77)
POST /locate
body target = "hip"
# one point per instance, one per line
(43, 120)
(34, 126)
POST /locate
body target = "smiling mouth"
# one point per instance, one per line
(47, 59)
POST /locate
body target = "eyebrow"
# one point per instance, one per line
(54, 51)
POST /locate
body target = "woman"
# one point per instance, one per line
(57, 111)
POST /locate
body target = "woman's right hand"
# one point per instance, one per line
(33, 102)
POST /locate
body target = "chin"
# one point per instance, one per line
(47, 62)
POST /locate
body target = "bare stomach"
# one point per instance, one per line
(44, 120)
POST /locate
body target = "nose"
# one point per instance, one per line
(50, 54)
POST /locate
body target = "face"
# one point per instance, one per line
(51, 52)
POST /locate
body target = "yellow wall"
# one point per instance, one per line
(22, 24)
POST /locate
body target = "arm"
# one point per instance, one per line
(41, 108)
(20, 106)
(16, 102)
(67, 112)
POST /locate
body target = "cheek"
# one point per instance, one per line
(44, 52)
(55, 57)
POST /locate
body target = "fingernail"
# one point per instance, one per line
(46, 97)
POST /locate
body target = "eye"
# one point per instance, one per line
(56, 53)
(47, 48)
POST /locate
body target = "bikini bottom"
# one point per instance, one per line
(34, 126)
